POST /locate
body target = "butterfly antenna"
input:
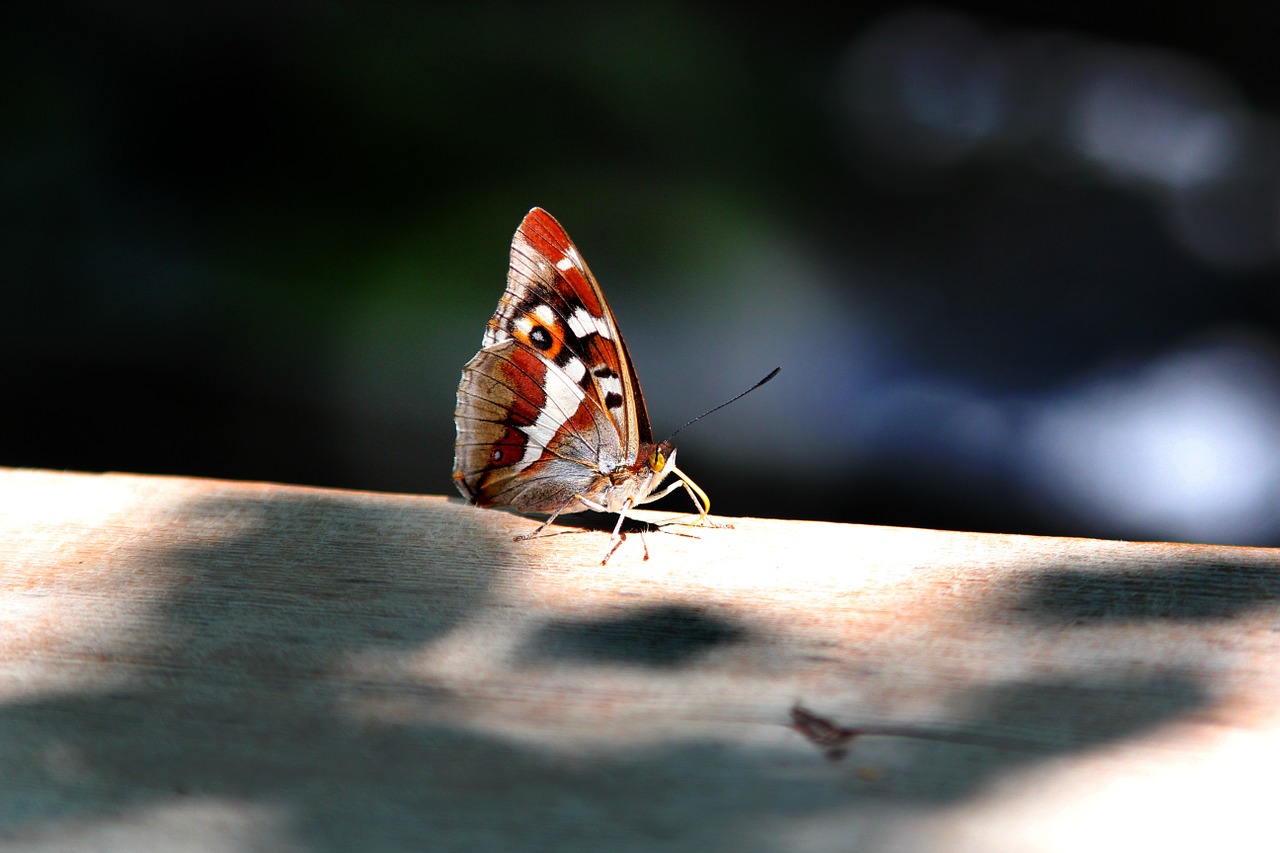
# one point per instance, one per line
(772, 374)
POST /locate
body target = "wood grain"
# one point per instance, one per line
(203, 665)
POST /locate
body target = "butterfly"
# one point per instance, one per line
(550, 417)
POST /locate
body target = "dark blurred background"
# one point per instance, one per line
(1017, 261)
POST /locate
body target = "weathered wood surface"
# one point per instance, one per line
(209, 666)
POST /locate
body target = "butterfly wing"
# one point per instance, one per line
(548, 270)
(528, 436)
(551, 403)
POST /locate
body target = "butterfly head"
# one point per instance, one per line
(660, 460)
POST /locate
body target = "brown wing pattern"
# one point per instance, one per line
(548, 270)
(550, 404)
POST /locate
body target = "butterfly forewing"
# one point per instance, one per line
(551, 292)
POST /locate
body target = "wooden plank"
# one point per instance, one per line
(202, 665)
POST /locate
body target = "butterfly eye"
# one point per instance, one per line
(657, 459)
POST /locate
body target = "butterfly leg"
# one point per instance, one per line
(699, 497)
(615, 538)
(586, 502)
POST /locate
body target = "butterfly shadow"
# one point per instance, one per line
(592, 522)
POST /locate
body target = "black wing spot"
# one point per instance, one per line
(540, 338)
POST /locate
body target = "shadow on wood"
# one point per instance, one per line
(301, 669)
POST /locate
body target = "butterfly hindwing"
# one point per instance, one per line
(528, 435)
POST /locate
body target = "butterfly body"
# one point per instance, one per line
(550, 416)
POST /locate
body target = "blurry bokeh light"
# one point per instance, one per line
(1184, 447)
(924, 89)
